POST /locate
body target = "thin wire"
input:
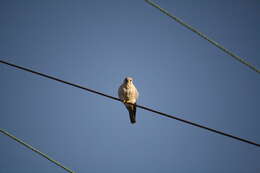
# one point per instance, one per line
(35, 150)
(142, 107)
(236, 57)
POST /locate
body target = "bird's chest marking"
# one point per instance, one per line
(128, 93)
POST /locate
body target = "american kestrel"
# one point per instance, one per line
(129, 94)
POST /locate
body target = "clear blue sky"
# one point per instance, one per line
(96, 44)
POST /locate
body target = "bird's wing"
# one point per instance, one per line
(136, 93)
(121, 93)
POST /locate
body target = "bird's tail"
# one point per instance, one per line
(132, 113)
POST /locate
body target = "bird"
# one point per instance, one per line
(128, 93)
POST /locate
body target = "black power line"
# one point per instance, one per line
(142, 107)
(236, 57)
(35, 150)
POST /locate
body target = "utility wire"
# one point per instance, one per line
(35, 150)
(236, 57)
(142, 107)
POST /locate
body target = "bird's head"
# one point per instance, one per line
(128, 80)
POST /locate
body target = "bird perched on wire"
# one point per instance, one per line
(129, 94)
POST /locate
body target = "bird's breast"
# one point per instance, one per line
(128, 93)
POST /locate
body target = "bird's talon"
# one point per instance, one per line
(124, 101)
